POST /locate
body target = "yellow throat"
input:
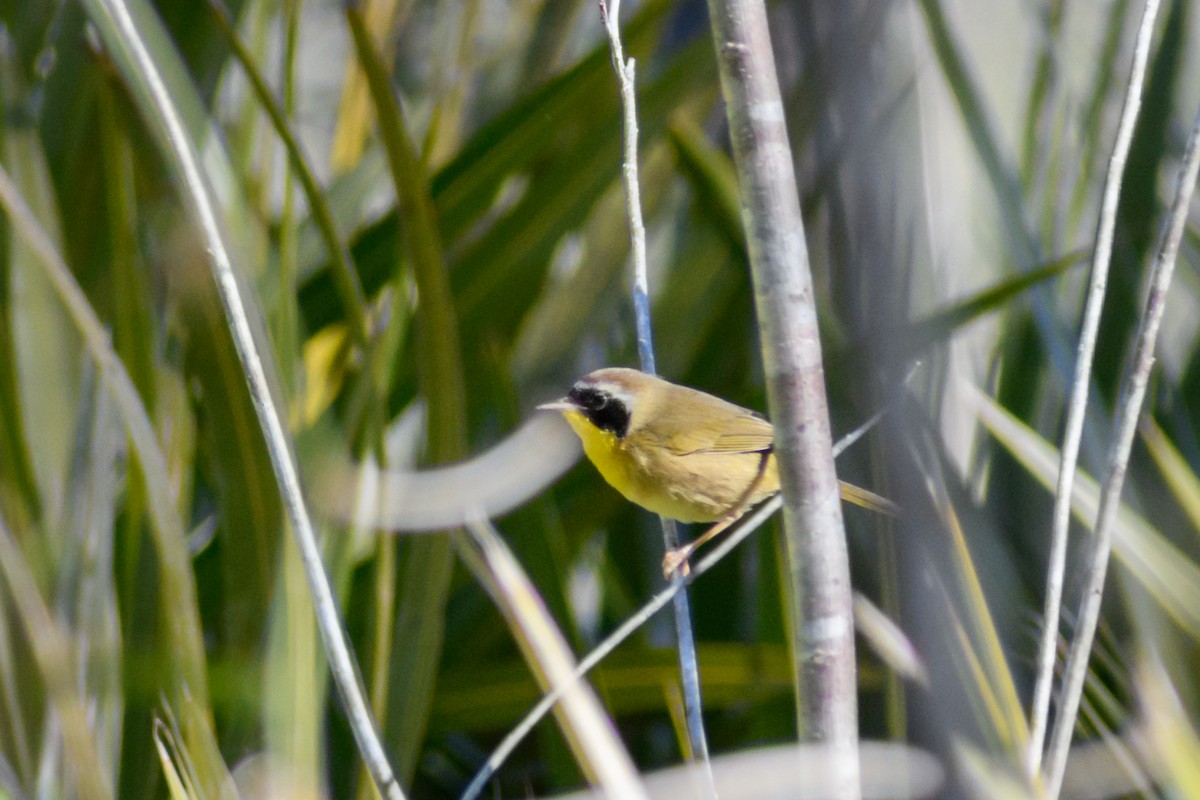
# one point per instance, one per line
(621, 470)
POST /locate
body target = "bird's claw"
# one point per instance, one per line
(676, 561)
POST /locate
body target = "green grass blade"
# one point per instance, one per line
(177, 581)
(427, 561)
(345, 276)
(1001, 173)
(1166, 572)
(1180, 478)
(52, 649)
(86, 589)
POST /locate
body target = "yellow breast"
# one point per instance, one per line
(632, 475)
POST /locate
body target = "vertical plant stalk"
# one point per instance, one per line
(1124, 428)
(121, 33)
(1080, 384)
(822, 639)
(289, 235)
(689, 666)
(610, 13)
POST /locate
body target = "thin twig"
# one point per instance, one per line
(589, 731)
(1124, 429)
(633, 194)
(822, 635)
(748, 525)
(1079, 391)
(689, 667)
(181, 155)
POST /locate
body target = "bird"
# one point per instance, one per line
(677, 451)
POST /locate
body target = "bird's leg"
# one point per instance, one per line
(677, 559)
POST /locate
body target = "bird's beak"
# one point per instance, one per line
(562, 404)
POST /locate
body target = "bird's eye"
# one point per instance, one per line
(606, 412)
(589, 397)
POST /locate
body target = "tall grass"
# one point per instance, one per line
(422, 204)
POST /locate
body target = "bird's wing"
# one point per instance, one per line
(743, 432)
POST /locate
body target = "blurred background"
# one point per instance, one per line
(950, 156)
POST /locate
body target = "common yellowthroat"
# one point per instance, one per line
(679, 452)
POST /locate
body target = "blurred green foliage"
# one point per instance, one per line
(927, 226)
